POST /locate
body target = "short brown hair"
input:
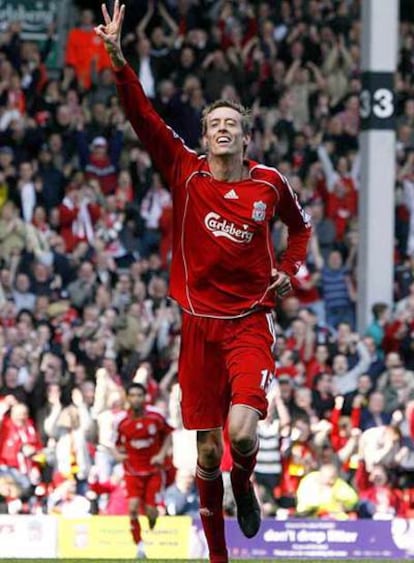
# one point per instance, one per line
(378, 309)
(222, 103)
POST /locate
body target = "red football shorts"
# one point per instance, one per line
(224, 362)
(144, 487)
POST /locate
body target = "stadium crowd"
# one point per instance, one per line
(85, 236)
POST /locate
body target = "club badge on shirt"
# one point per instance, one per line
(259, 211)
(152, 429)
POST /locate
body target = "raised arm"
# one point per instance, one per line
(167, 150)
(330, 173)
(171, 23)
(142, 26)
(292, 71)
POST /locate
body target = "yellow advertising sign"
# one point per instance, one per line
(108, 537)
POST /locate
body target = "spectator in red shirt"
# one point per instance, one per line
(144, 440)
(19, 442)
(84, 48)
(100, 159)
(68, 212)
(318, 364)
(78, 214)
(341, 195)
(307, 291)
(301, 339)
(397, 331)
(15, 98)
(378, 499)
(114, 487)
(345, 432)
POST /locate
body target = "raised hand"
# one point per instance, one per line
(339, 402)
(110, 33)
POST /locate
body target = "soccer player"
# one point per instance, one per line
(224, 277)
(144, 440)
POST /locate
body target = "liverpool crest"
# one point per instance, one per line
(259, 211)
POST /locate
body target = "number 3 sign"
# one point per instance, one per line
(377, 105)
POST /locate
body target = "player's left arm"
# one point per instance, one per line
(299, 228)
(165, 449)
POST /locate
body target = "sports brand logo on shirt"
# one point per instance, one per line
(231, 195)
(259, 211)
(222, 228)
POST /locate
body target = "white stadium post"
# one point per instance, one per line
(377, 145)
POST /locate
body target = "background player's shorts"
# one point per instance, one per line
(144, 487)
(223, 362)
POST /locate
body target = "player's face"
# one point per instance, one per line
(136, 399)
(224, 133)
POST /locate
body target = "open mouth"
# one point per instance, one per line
(223, 140)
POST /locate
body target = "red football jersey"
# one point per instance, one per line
(222, 250)
(142, 438)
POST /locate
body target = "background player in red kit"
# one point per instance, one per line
(223, 275)
(144, 440)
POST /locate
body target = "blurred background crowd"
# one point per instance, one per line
(85, 236)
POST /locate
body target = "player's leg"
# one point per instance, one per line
(204, 403)
(152, 491)
(244, 445)
(152, 515)
(251, 365)
(202, 374)
(210, 486)
(134, 493)
(135, 526)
